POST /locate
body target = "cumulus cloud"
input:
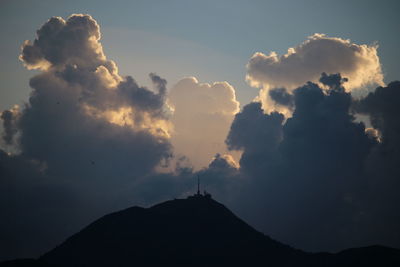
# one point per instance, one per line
(383, 107)
(281, 97)
(257, 135)
(334, 81)
(312, 164)
(80, 96)
(89, 131)
(202, 115)
(325, 181)
(305, 62)
(9, 118)
(319, 53)
(59, 42)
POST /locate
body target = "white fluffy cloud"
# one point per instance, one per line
(202, 116)
(319, 53)
(305, 62)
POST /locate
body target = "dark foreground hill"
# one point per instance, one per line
(197, 231)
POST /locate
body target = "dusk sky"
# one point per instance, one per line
(287, 110)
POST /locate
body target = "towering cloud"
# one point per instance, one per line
(202, 115)
(81, 110)
(312, 166)
(89, 132)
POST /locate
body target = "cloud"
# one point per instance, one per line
(90, 133)
(223, 162)
(305, 62)
(84, 105)
(324, 180)
(202, 115)
(382, 171)
(281, 97)
(60, 42)
(323, 155)
(319, 53)
(312, 164)
(382, 107)
(333, 81)
(37, 210)
(9, 118)
(257, 134)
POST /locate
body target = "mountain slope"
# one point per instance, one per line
(197, 231)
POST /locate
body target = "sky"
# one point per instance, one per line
(211, 40)
(288, 110)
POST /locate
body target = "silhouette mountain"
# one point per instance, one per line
(197, 231)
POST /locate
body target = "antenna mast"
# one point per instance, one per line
(198, 185)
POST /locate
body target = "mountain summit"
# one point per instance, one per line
(197, 231)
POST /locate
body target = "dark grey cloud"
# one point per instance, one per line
(309, 171)
(160, 83)
(257, 134)
(383, 109)
(143, 98)
(382, 166)
(324, 152)
(37, 211)
(334, 81)
(252, 116)
(85, 136)
(9, 127)
(67, 129)
(281, 96)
